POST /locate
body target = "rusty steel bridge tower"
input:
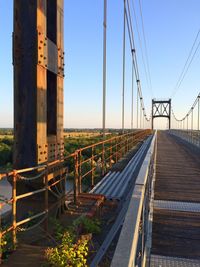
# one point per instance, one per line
(38, 59)
(161, 109)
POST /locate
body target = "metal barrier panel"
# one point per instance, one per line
(189, 136)
(130, 250)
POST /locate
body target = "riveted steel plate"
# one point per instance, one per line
(61, 63)
(42, 50)
(52, 63)
(42, 153)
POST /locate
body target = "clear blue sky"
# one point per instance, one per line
(170, 26)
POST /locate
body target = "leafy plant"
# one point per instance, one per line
(72, 250)
(57, 228)
(70, 253)
(6, 245)
(88, 225)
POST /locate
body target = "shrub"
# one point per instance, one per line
(6, 245)
(70, 253)
(88, 225)
(5, 154)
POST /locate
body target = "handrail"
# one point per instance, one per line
(110, 150)
(189, 136)
(130, 250)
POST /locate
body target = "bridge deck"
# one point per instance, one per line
(176, 219)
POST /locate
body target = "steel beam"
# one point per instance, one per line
(161, 109)
(38, 60)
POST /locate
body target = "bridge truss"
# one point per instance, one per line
(161, 109)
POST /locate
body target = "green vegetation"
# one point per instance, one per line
(6, 245)
(6, 150)
(70, 252)
(73, 243)
(87, 225)
(72, 143)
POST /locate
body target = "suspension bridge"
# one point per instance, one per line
(145, 181)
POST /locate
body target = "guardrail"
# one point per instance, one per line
(51, 178)
(100, 157)
(190, 136)
(135, 238)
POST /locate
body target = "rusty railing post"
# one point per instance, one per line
(111, 154)
(75, 178)
(122, 147)
(132, 138)
(65, 184)
(103, 159)
(79, 172)
(46, 197)
(116, 150)
(92, 166)
(62, 187)
(120, 150)
(0, 236)
(14, 209)
(127, 146)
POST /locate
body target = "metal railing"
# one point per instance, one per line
(190, 136)
(134, 243)
(88, 163)
(95, 160)
(44, 182)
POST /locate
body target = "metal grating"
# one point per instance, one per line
(177, 206)
(163, 261)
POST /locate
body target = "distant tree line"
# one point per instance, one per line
(6, 151)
